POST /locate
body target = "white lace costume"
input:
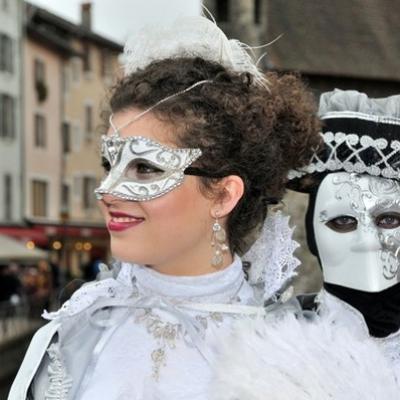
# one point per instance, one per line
(154, 340)
(145, 335)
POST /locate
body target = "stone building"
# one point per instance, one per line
(10, 111)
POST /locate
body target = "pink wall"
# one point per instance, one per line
(43, 163)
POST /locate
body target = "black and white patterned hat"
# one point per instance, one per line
(361, 135)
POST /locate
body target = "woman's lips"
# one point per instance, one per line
(121, 221)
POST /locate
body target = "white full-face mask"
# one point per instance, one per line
(357, 231)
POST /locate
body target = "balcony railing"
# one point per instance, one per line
(17, 319)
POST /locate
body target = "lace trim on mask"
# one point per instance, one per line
(379, 150)
(59, 381)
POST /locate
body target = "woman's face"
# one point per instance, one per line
(168, 232)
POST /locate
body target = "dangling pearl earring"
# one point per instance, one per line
(218, 241)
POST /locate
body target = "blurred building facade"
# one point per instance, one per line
(345, 44)
(85, 82)
(67, 70)
(10, 111)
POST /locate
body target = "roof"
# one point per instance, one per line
(53, 28)
(352, 38)
(11, 249)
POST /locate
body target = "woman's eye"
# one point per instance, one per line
(143, 168)
(106, 165)
(342, 224)
(388, 221)
(140, 170)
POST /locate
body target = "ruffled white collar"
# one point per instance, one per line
(134, 280)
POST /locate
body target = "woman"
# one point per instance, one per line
(199, 143)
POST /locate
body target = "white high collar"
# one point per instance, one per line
(220, 286)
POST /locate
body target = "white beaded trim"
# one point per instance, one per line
(333, 140)
(381, 119)
(119, 139)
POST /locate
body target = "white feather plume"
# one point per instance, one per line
(189, 37)
(302, 360)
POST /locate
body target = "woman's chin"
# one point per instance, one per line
(127, 253)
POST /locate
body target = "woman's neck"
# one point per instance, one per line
(188, 264)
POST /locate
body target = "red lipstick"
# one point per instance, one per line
(121, 221)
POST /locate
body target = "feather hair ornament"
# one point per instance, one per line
(194, 36)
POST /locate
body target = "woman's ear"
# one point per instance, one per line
(230, 189)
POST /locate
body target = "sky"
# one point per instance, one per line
(117, 19)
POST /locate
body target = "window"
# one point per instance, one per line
(88, 199)
(40, 131)
(65, 195)
(105, 63)
(75, 69)
(39, 198)
(222, 10)
(39, 71)
(7, 116)
(65, 79)
(6, 56)
(86, 58)
(66, 137)
(7, 197)
(257, 11)
(88, 121)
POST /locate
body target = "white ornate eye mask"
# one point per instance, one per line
(141, 169)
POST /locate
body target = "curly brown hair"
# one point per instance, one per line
(242, 129)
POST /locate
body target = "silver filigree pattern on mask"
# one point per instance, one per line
(380, 191)
(390, 255)
(323, 216)
(168, 163)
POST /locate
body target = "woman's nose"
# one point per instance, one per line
(109, 199)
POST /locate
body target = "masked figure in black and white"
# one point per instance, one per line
(353, 219)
